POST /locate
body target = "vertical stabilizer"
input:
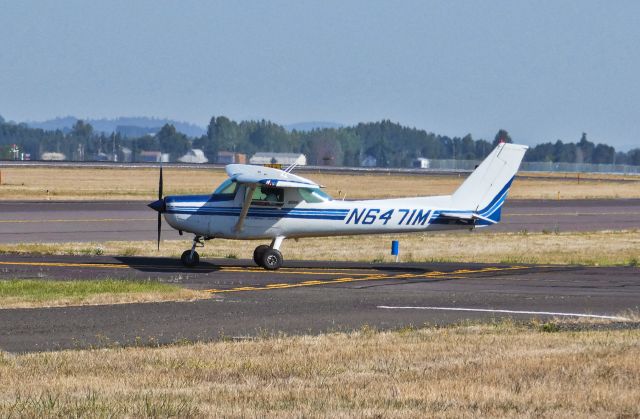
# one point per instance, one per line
(485, 190)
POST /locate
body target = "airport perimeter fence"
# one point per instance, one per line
(430, 165)
(468, 165)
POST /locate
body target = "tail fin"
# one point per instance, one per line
(485, 190)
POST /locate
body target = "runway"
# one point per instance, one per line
(81, 221)
(303, 297)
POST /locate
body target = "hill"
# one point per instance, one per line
(107, 126)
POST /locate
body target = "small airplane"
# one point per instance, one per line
(258, 203)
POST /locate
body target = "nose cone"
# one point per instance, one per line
(158, 205)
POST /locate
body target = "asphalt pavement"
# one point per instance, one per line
(303, 297)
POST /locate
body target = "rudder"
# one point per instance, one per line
(485, 190)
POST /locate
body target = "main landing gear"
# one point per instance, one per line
(269, 257)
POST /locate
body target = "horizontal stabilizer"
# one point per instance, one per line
(467, 216)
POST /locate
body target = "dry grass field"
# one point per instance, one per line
(28, 293)
(601, 248)
(491, 370)
(83, 183)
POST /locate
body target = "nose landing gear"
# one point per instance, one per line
(191, 258)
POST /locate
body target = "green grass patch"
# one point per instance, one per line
(40, 291)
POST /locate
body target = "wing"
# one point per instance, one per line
(259, 175)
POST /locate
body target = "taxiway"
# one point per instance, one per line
(303, 297)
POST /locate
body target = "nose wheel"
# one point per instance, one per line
(191, 258)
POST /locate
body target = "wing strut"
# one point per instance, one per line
(245, 208)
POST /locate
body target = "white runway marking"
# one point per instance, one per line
(486, 310)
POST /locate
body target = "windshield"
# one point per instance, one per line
(313, 195)
(228, 187)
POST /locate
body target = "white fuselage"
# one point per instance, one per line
(213, 216)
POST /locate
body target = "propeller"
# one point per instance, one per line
(159, 206)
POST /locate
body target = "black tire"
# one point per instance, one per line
(271, 259)
(189, 261)
(258, 252)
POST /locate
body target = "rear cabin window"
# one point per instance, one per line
(267, 195)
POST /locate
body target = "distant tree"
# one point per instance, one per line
(603, 154)
(621, 157)
(209, 142)
(467, 148)
(325, 148)
(81, 130)
(584, 150)
(5, 152)
(633, 157)
(502, 137)
(171, 141)
(483, 148)
(226, 133)
(392, 144)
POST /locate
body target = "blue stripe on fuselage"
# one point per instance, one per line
(307, 213)
(198, 199)
(498, 199)
(492, 211)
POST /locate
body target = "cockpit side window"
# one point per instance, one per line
(313, 195)
(267, 195)
(228, 187)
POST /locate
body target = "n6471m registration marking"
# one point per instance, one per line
(401, 216)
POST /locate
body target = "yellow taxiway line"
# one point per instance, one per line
(310, 271)
(66, 264)
(457, 274)
(352, 276)
(288, 271)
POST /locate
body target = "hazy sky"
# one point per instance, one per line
(543, 70)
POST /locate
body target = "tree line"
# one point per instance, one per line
(387, 143)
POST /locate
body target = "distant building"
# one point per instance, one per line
(153, 157)
(195, 155)
(369, 161)
(278, 158)
(229, 157)
(101, 157)
(126, 154)
(53, 156)
(421, 163)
